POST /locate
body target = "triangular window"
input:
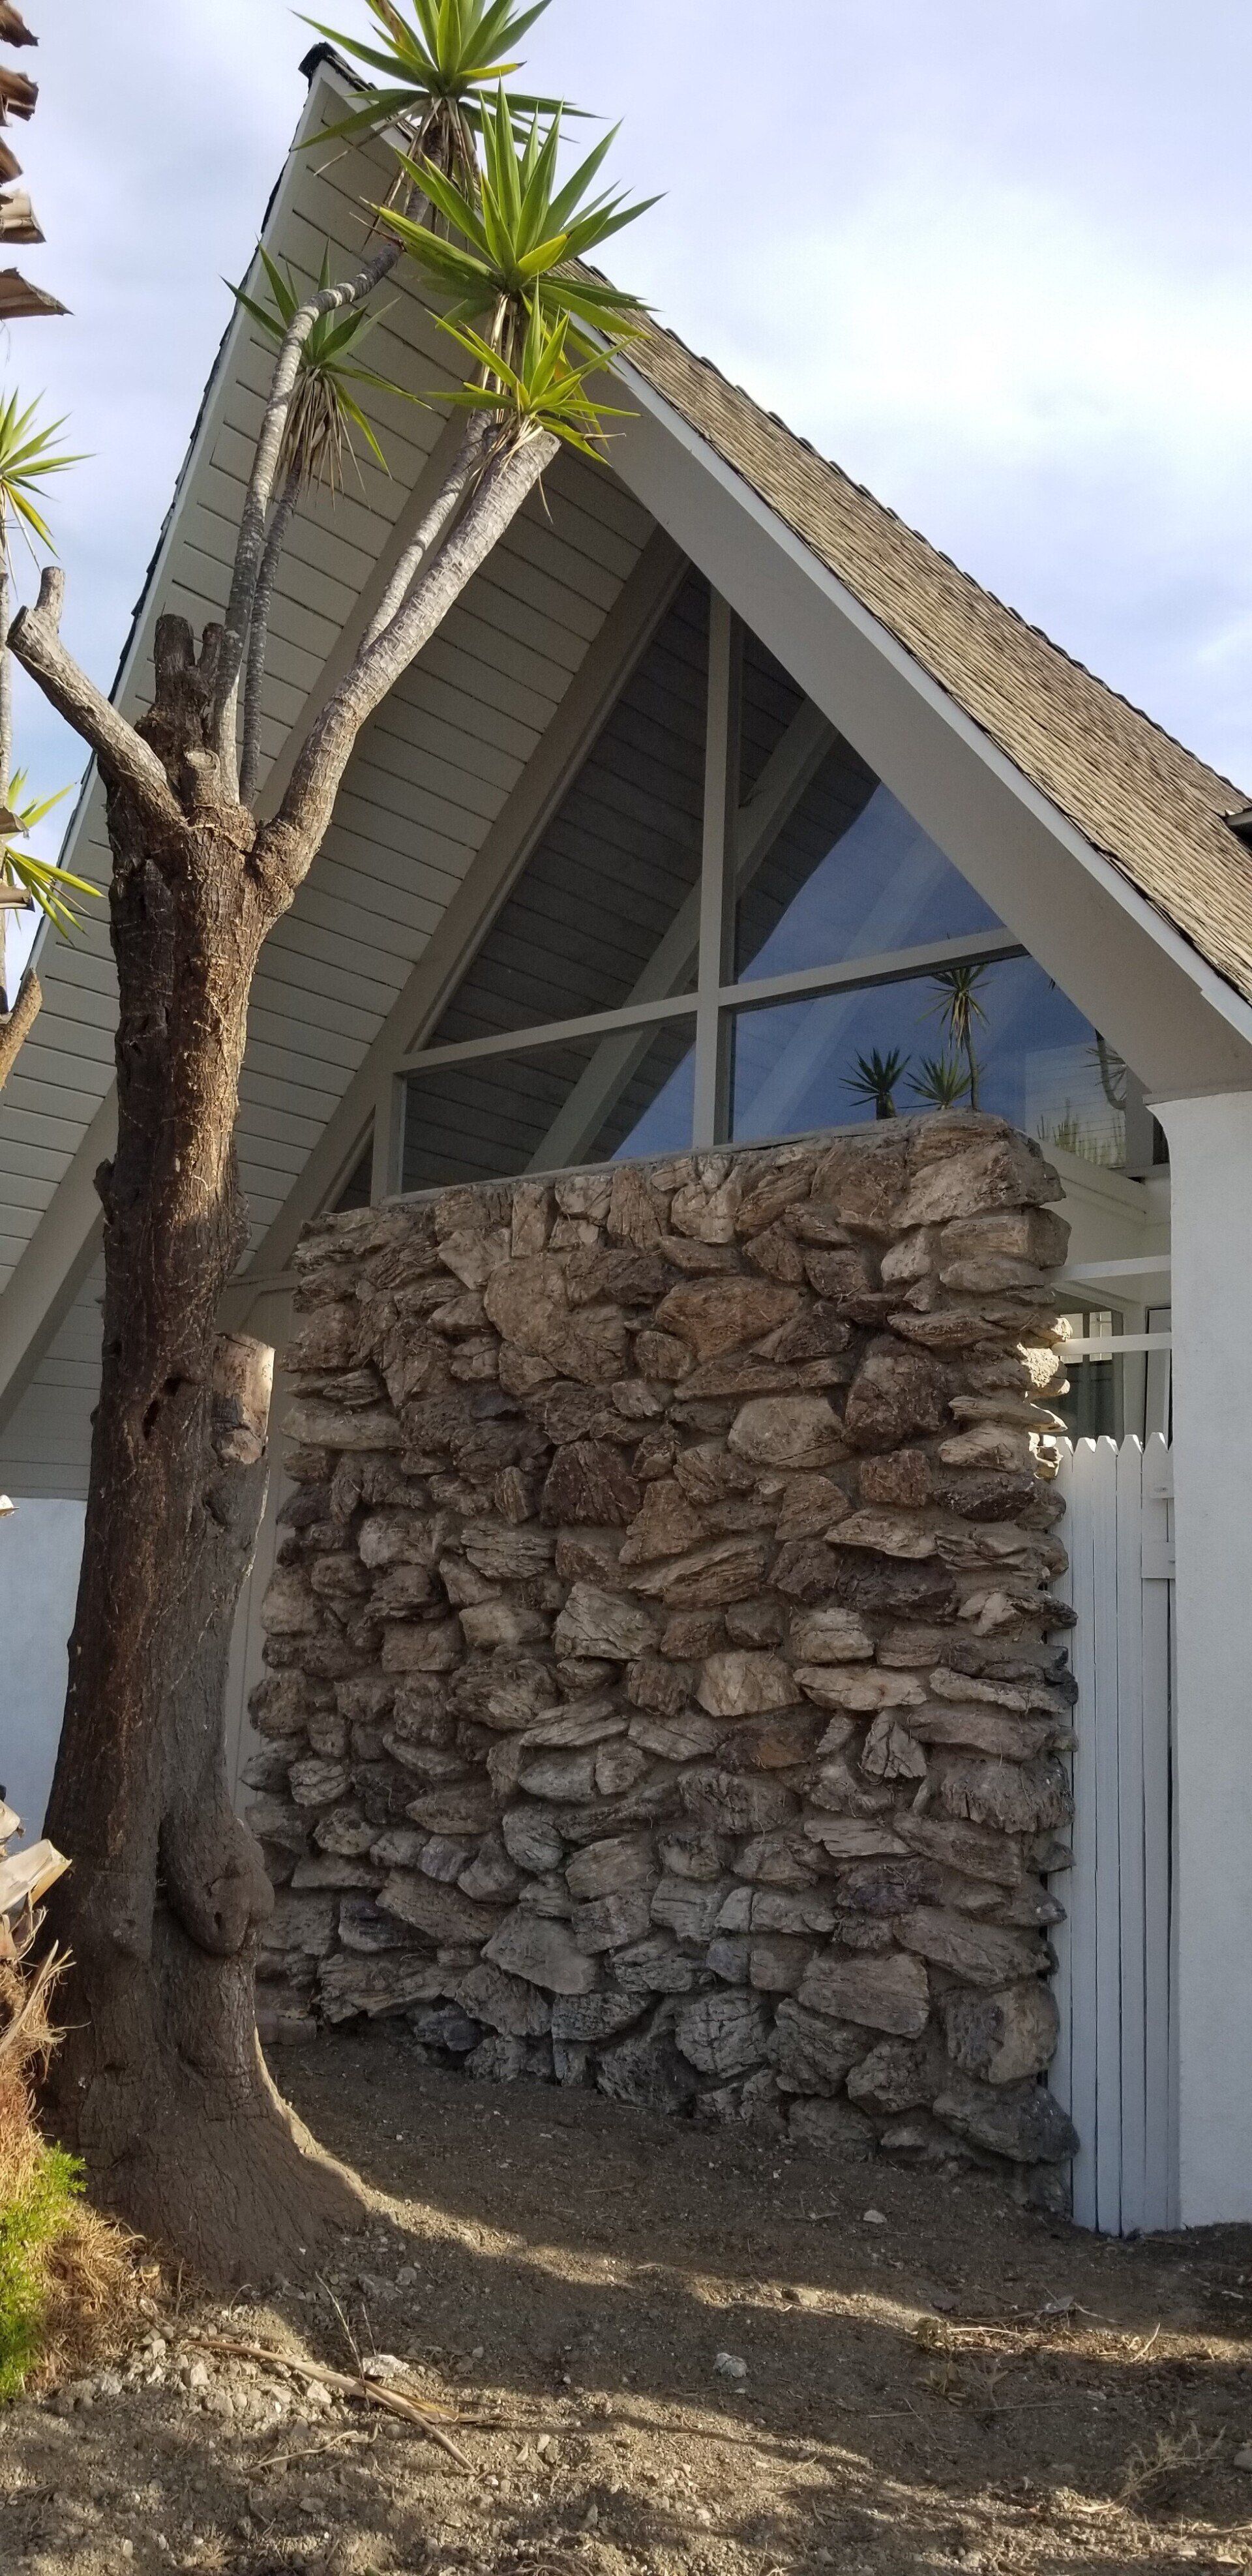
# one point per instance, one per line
(855, 973)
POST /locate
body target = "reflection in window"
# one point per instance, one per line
(617, 865)
(588, 1101)
(999, 1036)
(850, 875)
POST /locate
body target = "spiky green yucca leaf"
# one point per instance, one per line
(543, 392)
(942, 1081)
(433, 71)
(324, 410)
(52, 889)
(511, 248)
(877, 1078)
(27, 457)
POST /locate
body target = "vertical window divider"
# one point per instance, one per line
(717, 873)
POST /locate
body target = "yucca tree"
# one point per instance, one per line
(437, 66)
(432, 72)
(324, 418)
(29, 458)
(160, 2081)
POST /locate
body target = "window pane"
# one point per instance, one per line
(850, 874)
(616, 867)
(999, 1037)
(586, 1102)
(356, 1189)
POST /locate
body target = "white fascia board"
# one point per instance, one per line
(996, 825)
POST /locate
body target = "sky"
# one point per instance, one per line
(994, 256)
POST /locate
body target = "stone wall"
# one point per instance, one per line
(664, 1691)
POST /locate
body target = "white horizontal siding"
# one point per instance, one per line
(45, 1447)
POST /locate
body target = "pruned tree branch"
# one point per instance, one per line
(16, 1025)
(469, 461)
(35, 639)
(250, 548)
(286, 847)
(258, 640)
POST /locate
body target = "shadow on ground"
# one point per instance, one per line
(933, 2378)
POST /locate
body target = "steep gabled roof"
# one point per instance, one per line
(1136, 795)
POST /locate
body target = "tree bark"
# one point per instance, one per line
(16, 1025)
(160, 2082)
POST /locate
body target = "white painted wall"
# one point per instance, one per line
(1211, 1158)
(40, 1547)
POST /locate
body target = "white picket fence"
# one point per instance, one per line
(1114, 2067)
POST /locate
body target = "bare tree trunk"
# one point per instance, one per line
(16, 1025)
(160, 2082)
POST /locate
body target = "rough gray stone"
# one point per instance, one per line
(544, 1953)
(837, 2128)
(1022, 2121)
(788, 1431)
(981, 1954)
(723, 2034)
(1004, 2036)
(603, 1624)
(885, 1994)
(741, 1684)
(507, 2004)
(647, 2072)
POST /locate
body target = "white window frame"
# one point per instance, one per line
(734, 838)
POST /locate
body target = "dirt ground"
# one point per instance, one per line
(915, 2375)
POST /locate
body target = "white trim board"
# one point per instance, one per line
(1065, 900)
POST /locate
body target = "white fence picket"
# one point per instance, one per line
(1113, 2064)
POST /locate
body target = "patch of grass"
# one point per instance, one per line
(33, 2221)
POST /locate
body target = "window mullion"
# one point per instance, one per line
(717, 884)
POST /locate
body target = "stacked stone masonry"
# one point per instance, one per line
(663, 1689)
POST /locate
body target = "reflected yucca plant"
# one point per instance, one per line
(960, 1009)
(877, 1079)
(942, 1082)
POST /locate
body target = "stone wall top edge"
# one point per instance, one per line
(942, 1132)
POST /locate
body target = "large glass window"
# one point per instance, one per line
(585, 1100)
(996, 1035)
(864, 976)
(846, 872)
(610, 898)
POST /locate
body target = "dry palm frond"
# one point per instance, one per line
(324, 412)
